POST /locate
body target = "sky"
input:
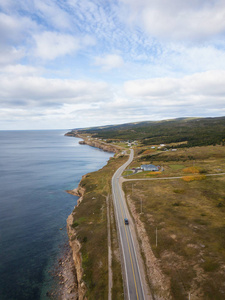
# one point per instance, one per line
(72, 64)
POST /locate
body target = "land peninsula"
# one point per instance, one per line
(179, 222)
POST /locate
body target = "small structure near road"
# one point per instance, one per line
(150, 167)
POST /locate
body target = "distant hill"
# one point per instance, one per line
(193, 131)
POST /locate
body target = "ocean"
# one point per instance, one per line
(36, 167)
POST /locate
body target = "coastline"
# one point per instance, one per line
(94, 143)
(157, 279)
(65, 277)
(74, 243)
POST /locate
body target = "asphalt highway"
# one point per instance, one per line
(132, 273)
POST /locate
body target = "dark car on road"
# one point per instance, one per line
(126, 222)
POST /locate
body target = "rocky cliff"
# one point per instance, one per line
(79, 191)
(100, 145)
(75, 244)
(94, 143)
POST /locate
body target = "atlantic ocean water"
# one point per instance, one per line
(36, 167)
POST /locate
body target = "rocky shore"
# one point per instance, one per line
(68, 277)
(64, 275)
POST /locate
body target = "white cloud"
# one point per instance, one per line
(14, 28)
(19, 70)
(109, 61)
(192, 59)
(206, 88)
(52, 14)
(175, 19)
(201, 94)
(33, 91)
(50, 45)
(79, 103)
(151, 88)
(9, 55)
(14, 31)
(156, 67)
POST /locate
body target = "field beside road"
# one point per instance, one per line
(180, 222)
(188, 217)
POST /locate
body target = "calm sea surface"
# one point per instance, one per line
(36, 167)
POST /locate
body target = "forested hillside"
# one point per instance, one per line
(194, 131)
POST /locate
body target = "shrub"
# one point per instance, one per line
(192, 170)
(154, 173)
(192, 178)
(75, 224)
(210, 265)
(179, 191)
(176, 204)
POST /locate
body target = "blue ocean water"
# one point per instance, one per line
(36, 167)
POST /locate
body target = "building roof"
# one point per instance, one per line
(149, 166)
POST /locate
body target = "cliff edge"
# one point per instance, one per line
(75, 244)
(71, 230)
(94, 142)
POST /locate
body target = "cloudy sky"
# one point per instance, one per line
(69, 63)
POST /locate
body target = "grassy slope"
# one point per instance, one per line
(90, 222)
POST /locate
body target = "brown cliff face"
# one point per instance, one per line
(94, 143)
(77, 259)
(100, 145)
(75, 245)
(79, 191)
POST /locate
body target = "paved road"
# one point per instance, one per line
(132, 272)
